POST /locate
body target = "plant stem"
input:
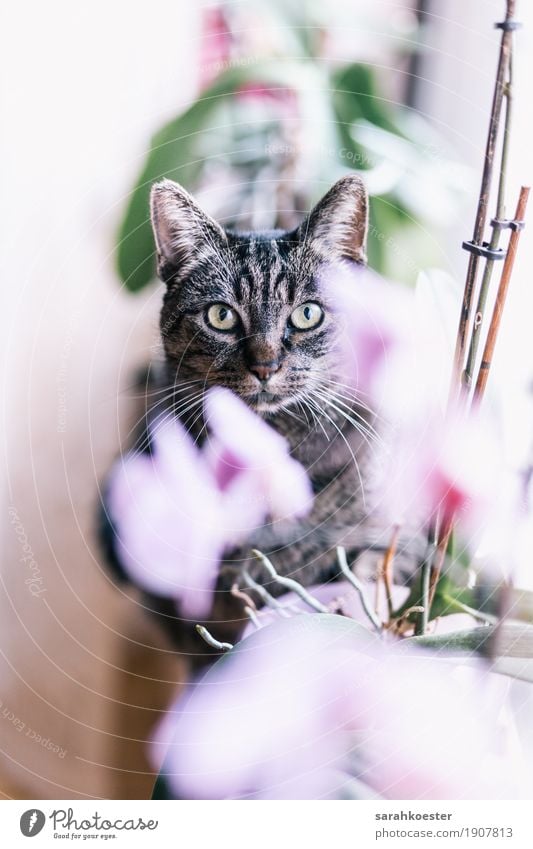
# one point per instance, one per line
(423, 616)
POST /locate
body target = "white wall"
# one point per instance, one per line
(85, 85)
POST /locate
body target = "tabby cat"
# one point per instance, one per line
(250, 312)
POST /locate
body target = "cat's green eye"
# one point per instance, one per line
(307, 316)
(222, 317)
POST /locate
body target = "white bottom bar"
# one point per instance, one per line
(268, 825)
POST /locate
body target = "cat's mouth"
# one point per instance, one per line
(265, 401)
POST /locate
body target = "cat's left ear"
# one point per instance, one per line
(338, 224)
(182, 230)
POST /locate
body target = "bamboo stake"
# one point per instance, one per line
(481, 214)
(496, 230)
(507, 271)
(439, 532)
(446, 527)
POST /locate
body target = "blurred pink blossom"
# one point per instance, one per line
(284, 98)
(216, 46)
(176, 510)
(446, 463)
(270, 700)
(251, 463)
(303, 707)
(387, 351)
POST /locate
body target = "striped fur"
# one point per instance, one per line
(263, 277)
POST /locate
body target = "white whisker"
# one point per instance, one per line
(341, 434)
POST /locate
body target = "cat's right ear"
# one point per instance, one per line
(182, 230)
(337, 226)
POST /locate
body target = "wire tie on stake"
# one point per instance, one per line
(508, 26)
(507, 224)
(485, 250)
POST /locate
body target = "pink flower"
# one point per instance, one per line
(251, 462)
(285, 98)
(216, 45)
(432, 729)
(270, 701)
(374, 319)
(449, 464)
(315, 707)
(170, 520)
(178, 509)
(388, 354)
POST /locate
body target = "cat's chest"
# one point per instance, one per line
(328, 451)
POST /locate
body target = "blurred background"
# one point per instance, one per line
(256, 107)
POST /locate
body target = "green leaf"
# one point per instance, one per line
(508, 645)
(449, 598)
(330, 625)
(489, 599)
(174, 153)
(171, 155)
(356, 97)
(520, 604)
(515, 667)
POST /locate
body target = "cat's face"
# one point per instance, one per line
(250, 311)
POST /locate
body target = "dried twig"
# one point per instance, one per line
(356, 583)
(402, 624)
(387, 566)
(238, 593)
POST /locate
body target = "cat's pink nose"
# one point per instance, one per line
(264, 371)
